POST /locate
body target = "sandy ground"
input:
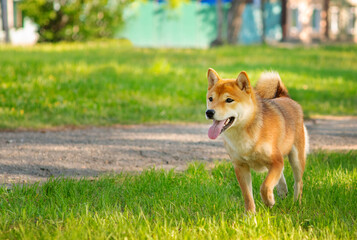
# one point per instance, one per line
(35, 156)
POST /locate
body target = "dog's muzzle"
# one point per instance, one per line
(210, 113)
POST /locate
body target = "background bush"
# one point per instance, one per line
(72, 20)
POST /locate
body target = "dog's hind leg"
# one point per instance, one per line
(297, 158)
(297, 161)
(282, 188)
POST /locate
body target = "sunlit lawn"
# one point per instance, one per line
(194, 204)
(112, 82)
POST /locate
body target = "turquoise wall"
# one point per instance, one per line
(193, 24)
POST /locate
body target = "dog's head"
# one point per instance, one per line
(230, 102)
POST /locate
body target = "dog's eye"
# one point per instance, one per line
(210, 99)
(229, 100)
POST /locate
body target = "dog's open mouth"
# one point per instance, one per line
(219, 126)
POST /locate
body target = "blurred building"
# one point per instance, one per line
(320, 20)
(194, 23)
(153, 23)
(14, 28)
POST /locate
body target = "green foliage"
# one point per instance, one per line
(172, 4)
(111, 82)
(74, 19)
(175, 3)
(194, 204)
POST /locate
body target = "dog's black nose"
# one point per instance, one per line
(210, 113)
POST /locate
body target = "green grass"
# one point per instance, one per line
(112, 82)
(193, 204)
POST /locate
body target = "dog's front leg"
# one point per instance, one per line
(245, 181)
(272, 179)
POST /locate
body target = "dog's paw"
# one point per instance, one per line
(282, 191)
(270, 202)
(267, 197)
(250, 208)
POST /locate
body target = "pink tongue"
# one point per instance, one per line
(215, 129)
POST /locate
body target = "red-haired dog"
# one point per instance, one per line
(259, 127)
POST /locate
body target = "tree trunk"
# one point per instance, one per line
(219, 39)
(235, 20)
(4, 20)
(284, 27)
(326, 8)
(262, 8)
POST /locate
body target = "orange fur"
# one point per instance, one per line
(267, 125)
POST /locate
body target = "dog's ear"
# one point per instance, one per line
(212, 77)
(243, 82)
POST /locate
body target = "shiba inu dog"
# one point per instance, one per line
(259, 127)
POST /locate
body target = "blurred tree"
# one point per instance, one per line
(235, 13)
(74, 19)
(5, 25)
(284, 19)
(176, 3)
(219, 39)
(326, 16)
(262, 9)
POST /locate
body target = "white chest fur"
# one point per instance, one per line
(242, 149)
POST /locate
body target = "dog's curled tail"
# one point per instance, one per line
(270, 86)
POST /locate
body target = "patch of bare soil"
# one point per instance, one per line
(35, 156)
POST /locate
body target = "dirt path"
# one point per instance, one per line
(34, 156)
